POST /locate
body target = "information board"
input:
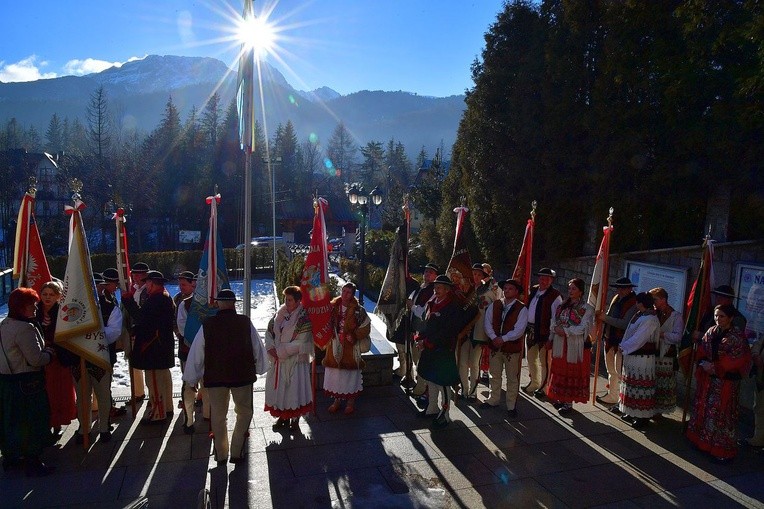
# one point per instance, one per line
(673, 279)
(749, 287)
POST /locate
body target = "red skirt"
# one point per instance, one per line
(569, 382)
(59, 385)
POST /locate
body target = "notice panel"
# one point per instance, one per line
(649, 275)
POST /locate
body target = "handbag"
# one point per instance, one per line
(364, 344)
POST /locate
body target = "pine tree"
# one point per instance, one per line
(341, 152)
(54, 135)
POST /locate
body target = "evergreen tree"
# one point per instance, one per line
(99, 124)
(13, 135)
(54, 135)
(341, 152)
(371, 171)
(210, 122)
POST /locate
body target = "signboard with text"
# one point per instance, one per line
(749, 287)
(189, 236)
(649, 275)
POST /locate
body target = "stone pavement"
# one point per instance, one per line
(385, 456)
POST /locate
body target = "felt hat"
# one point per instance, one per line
(725, 290)
(546, 271)
(187, 275)
(443, 280)
(431, 266)
(156, 277)
(623, 282)
(227, 295)
(512, 282)
(479, 266)
(110, 275)
(140, 268)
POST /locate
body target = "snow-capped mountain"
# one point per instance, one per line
(137, 93)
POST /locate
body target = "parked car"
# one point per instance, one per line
(268, 241)
(264, 242)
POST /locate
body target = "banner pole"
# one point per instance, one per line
(599, 327)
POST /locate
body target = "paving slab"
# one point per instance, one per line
(383, 455)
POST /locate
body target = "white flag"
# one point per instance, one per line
(79, 326)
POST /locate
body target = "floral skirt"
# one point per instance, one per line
(714, 418)
(637, 390)
(665, 388)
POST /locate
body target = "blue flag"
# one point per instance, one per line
(212, 277)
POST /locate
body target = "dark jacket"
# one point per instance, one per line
(154, 338)
(439, 330)
(228, 357)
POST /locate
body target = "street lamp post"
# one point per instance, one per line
(357, 196)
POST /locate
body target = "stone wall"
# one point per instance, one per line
(726, 256)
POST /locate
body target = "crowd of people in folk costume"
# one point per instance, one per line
(453, 344)
(642, 334)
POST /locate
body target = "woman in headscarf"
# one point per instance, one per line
(24, 410)
(342, 377)
(571, 350)
(723, 358)
(289, 342)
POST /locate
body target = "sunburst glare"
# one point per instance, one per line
(258, 34)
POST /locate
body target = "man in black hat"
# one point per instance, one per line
(138, 274)
(153, 350)
(188, 394)
(416, 303)
(228, 354)
(620, 312)
(442, 321)
(99, 379)
(112, 320)
(543, 301)
(505, 323)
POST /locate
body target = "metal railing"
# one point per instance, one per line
(7, 284)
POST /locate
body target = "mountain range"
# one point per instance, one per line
(138, 91)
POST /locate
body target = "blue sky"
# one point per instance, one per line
(422, 46)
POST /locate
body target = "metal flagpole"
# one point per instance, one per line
(247, 234)
(273, 211)
(409, 377)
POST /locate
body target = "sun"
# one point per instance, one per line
(256, 33)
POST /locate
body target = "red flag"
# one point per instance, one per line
(460, 267)
(30, 265)
(598, 294)
(522, 271)
(123, 261)
(598, 287)
(315, 278)
(698, 304)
